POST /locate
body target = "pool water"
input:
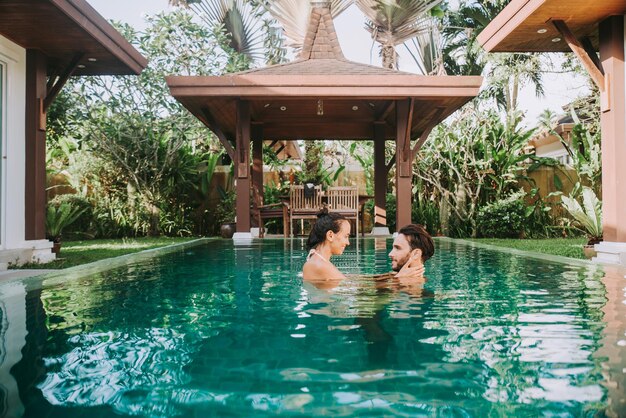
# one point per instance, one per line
(224, 330)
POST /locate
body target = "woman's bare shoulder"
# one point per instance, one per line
(313, 270)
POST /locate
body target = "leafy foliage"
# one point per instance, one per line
(588, 216)
(503, 218)
(58, 217)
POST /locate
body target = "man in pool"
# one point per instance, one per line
(412, 247)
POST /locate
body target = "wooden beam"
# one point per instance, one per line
(404, 117)
(404, 172)
(210, 122)
(35, 147)
(257, 165)
(242, 166)
(386, 111)
(594, 71)
(422, 139)
(60, 82)
(613, 123)
(588, 45)
(380, 176)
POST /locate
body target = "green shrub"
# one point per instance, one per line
(426, 212)
(81, 227)
(503, 218)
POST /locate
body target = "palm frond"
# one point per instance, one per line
(293, 15)
(239, 20)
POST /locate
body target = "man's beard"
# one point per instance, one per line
(401, 263)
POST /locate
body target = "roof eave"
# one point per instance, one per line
(505, 22)
(93, 23)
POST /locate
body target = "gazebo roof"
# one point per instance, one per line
(66, 30)
(525, 25)
(322, 95)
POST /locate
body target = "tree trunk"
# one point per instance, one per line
(389, 56)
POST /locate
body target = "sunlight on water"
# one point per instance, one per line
(219, 330)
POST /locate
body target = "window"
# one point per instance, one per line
(2, 136)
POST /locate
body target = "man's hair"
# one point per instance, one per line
(418, 237)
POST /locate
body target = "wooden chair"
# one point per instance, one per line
(344, 200)
(301, 207)
(274, 210)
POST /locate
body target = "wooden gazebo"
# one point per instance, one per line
(321, 95)
(584, 28)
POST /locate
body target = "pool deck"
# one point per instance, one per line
(21, 274)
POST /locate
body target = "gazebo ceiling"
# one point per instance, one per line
(322, 95)
(288, 106)
(526, 25)
(61, 29)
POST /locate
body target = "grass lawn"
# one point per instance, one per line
(74, 253)
(566, 247)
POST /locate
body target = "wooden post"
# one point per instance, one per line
(257, 167)
(613, 130)
(242, 166)
(380, 176)
(35, 147)
(403, 163)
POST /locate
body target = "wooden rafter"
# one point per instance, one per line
(386, 111)
(55, 89)
(422, 139)
(210, 122)
(579, 50)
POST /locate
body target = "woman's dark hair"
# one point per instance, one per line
(326, 221)
(418, 237)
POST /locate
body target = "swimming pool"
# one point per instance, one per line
(224, 330)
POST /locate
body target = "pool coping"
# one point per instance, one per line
(532, 254)
(105, 264)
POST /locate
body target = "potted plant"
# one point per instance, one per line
(587, 217)
(59, 217)
(225, 213)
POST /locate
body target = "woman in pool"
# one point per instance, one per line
(329, 236)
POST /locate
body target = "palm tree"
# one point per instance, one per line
(240, 22)
(393, 22)
(462, 53)
(293, 15)
(426, 48)
(508, 72)
(247, 31)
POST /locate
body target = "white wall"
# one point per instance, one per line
(13, 151)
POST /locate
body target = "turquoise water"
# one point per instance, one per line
(219, 330)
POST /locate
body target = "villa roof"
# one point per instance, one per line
(321, 95)
(65, 30)
(525, 25)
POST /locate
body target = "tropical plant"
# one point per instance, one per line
(393, 22)
(239, 20)
(588, 216)
(509, 72)
(59, 217)
(293, 16)
(503, 218)
(462, 54)
(473, 161)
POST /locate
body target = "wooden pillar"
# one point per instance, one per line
(242, 166)
(613, 130)
(35, 146)
(257, 163)
(404, 170)
(380, 176)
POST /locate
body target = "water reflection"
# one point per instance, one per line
(188, 334)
